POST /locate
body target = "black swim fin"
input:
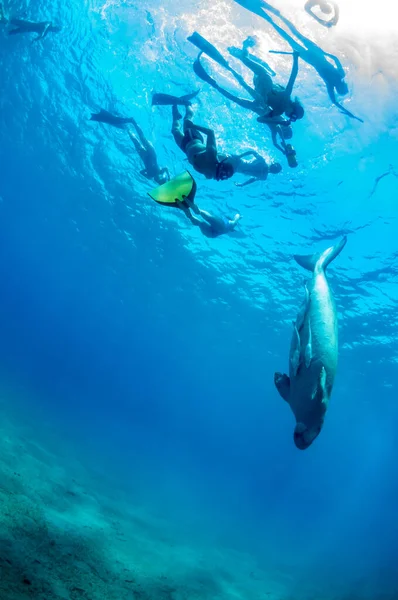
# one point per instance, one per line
(202, 74)
(204, 46)
(169, 100)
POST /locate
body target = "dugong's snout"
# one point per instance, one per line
(304, 436)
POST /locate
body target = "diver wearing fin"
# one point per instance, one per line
(202, 156)
(279, 127)
(275, 97)
(269, 99)
(22, 26)
(180, 192)
(327, 65)
(211, 226)
(143, 147)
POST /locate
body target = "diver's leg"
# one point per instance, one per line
(264, 64)
(288, 38)
(255, 67)
(176, 128)
(308, 44)
(337, 62)
(248, 104)
(139, 149)
(262, 79)
(188, 117)
(140, 133)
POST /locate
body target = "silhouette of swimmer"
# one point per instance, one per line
(211, 226)
(326, 7)
(203, 156)
(257, 169)
(276, 97)
(332, 73)
(143, 147)
(280, 128)
(271, 100)
(42, 28)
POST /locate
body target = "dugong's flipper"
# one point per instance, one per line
(282, 383)
(308, 348)
(320, 391)
(304, 308)
(296, 354)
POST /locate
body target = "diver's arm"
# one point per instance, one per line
(274, 135)
(336, 17)
(43, 33)
(347, 112)
(319, 19)
(334, 20)
(46, 30)
(211, 145)
(293, 74)
(309, 5)
(337, 63)
(248, 182)
(331, 94)
(333, 98)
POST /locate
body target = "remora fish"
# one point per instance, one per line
(313, 351)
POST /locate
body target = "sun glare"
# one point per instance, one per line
(380, 16)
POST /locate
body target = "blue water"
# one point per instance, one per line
(152, 349)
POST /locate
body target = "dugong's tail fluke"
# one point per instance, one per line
(318, 261)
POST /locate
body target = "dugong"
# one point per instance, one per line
(313, 351)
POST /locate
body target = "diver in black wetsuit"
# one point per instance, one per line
(42, 28)
(22, 26)
(275, 97)
(332, 74)
(144, 148)
(280, 127)
(269, 99)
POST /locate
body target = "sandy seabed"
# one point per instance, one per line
(66, 534)
(63, 538)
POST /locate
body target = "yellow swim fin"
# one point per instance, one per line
(174, 192)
